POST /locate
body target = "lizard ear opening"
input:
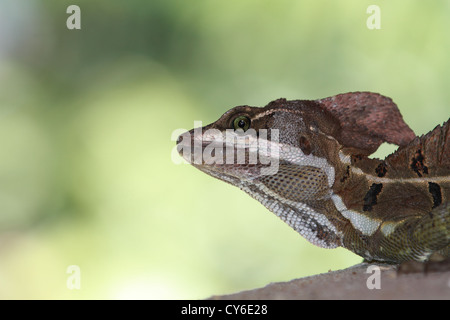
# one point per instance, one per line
(305, 145)
(367, 120)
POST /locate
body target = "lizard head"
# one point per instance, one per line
(248, 144)
(286, 154)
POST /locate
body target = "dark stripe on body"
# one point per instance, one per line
(370, 199)
(435, 191)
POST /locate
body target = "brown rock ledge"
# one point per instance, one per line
(351, 283)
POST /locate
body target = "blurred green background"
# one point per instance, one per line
(87, 122)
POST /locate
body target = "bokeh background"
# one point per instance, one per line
(88, 120)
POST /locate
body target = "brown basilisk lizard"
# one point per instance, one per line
(324, 185)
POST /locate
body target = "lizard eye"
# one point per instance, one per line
(241, 122)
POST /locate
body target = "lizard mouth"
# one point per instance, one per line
(194, 150)
(221, 174)
(200, 151)
(228, 159)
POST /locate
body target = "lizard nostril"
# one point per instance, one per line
(179, 139)
(180, 144)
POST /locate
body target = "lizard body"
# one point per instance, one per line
(324, 185)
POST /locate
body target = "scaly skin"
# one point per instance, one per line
(311, 168)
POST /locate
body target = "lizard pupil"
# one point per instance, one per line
(241, 122)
